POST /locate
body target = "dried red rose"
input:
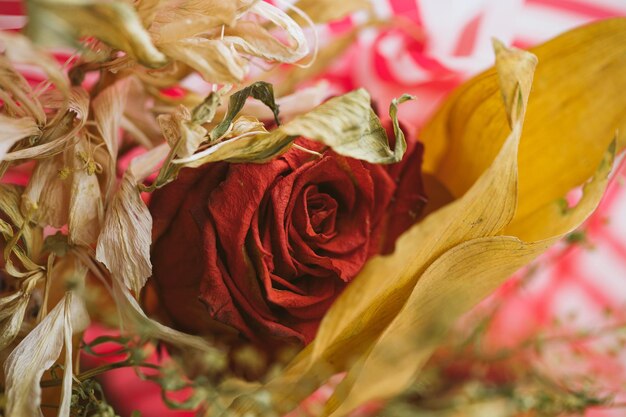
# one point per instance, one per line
(268, 247)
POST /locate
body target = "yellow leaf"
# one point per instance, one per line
(576, 107)
(451, 285)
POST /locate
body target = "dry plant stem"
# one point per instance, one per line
(99, 370)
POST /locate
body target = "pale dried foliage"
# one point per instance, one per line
(74, 138)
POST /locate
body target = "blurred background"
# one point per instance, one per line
(426, 48)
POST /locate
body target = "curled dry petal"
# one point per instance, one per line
(13, 130)
(178, 126)
(17, 94)
(216, 61)
(114, 22)
(108, 109)
(253, 39)
(178, 19)
(37, 352)
(10, 201)
(18, 48)
(61, 132)
(12, 309)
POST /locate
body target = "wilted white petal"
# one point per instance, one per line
(114, 22)
(20, 100)
(13, 130)
(255, 40)
(145, 164)
(245, 124)
(181, 19)
(178, 126)
(86, 210)
(108, 108)
(18, 48)
(213, 59)
(124, 243)
(61, 132)
(37, 352)
(47, 196)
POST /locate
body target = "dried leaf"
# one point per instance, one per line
(346, 123)
(349, 125)
(243, 125)
(37, 352)
(115, 23)
(301, 101)
(183, 130)
(124, 243)
(13, 130)
(261, 91)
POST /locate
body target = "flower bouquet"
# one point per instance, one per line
(186, 176)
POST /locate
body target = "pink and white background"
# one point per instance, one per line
(430, 47)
